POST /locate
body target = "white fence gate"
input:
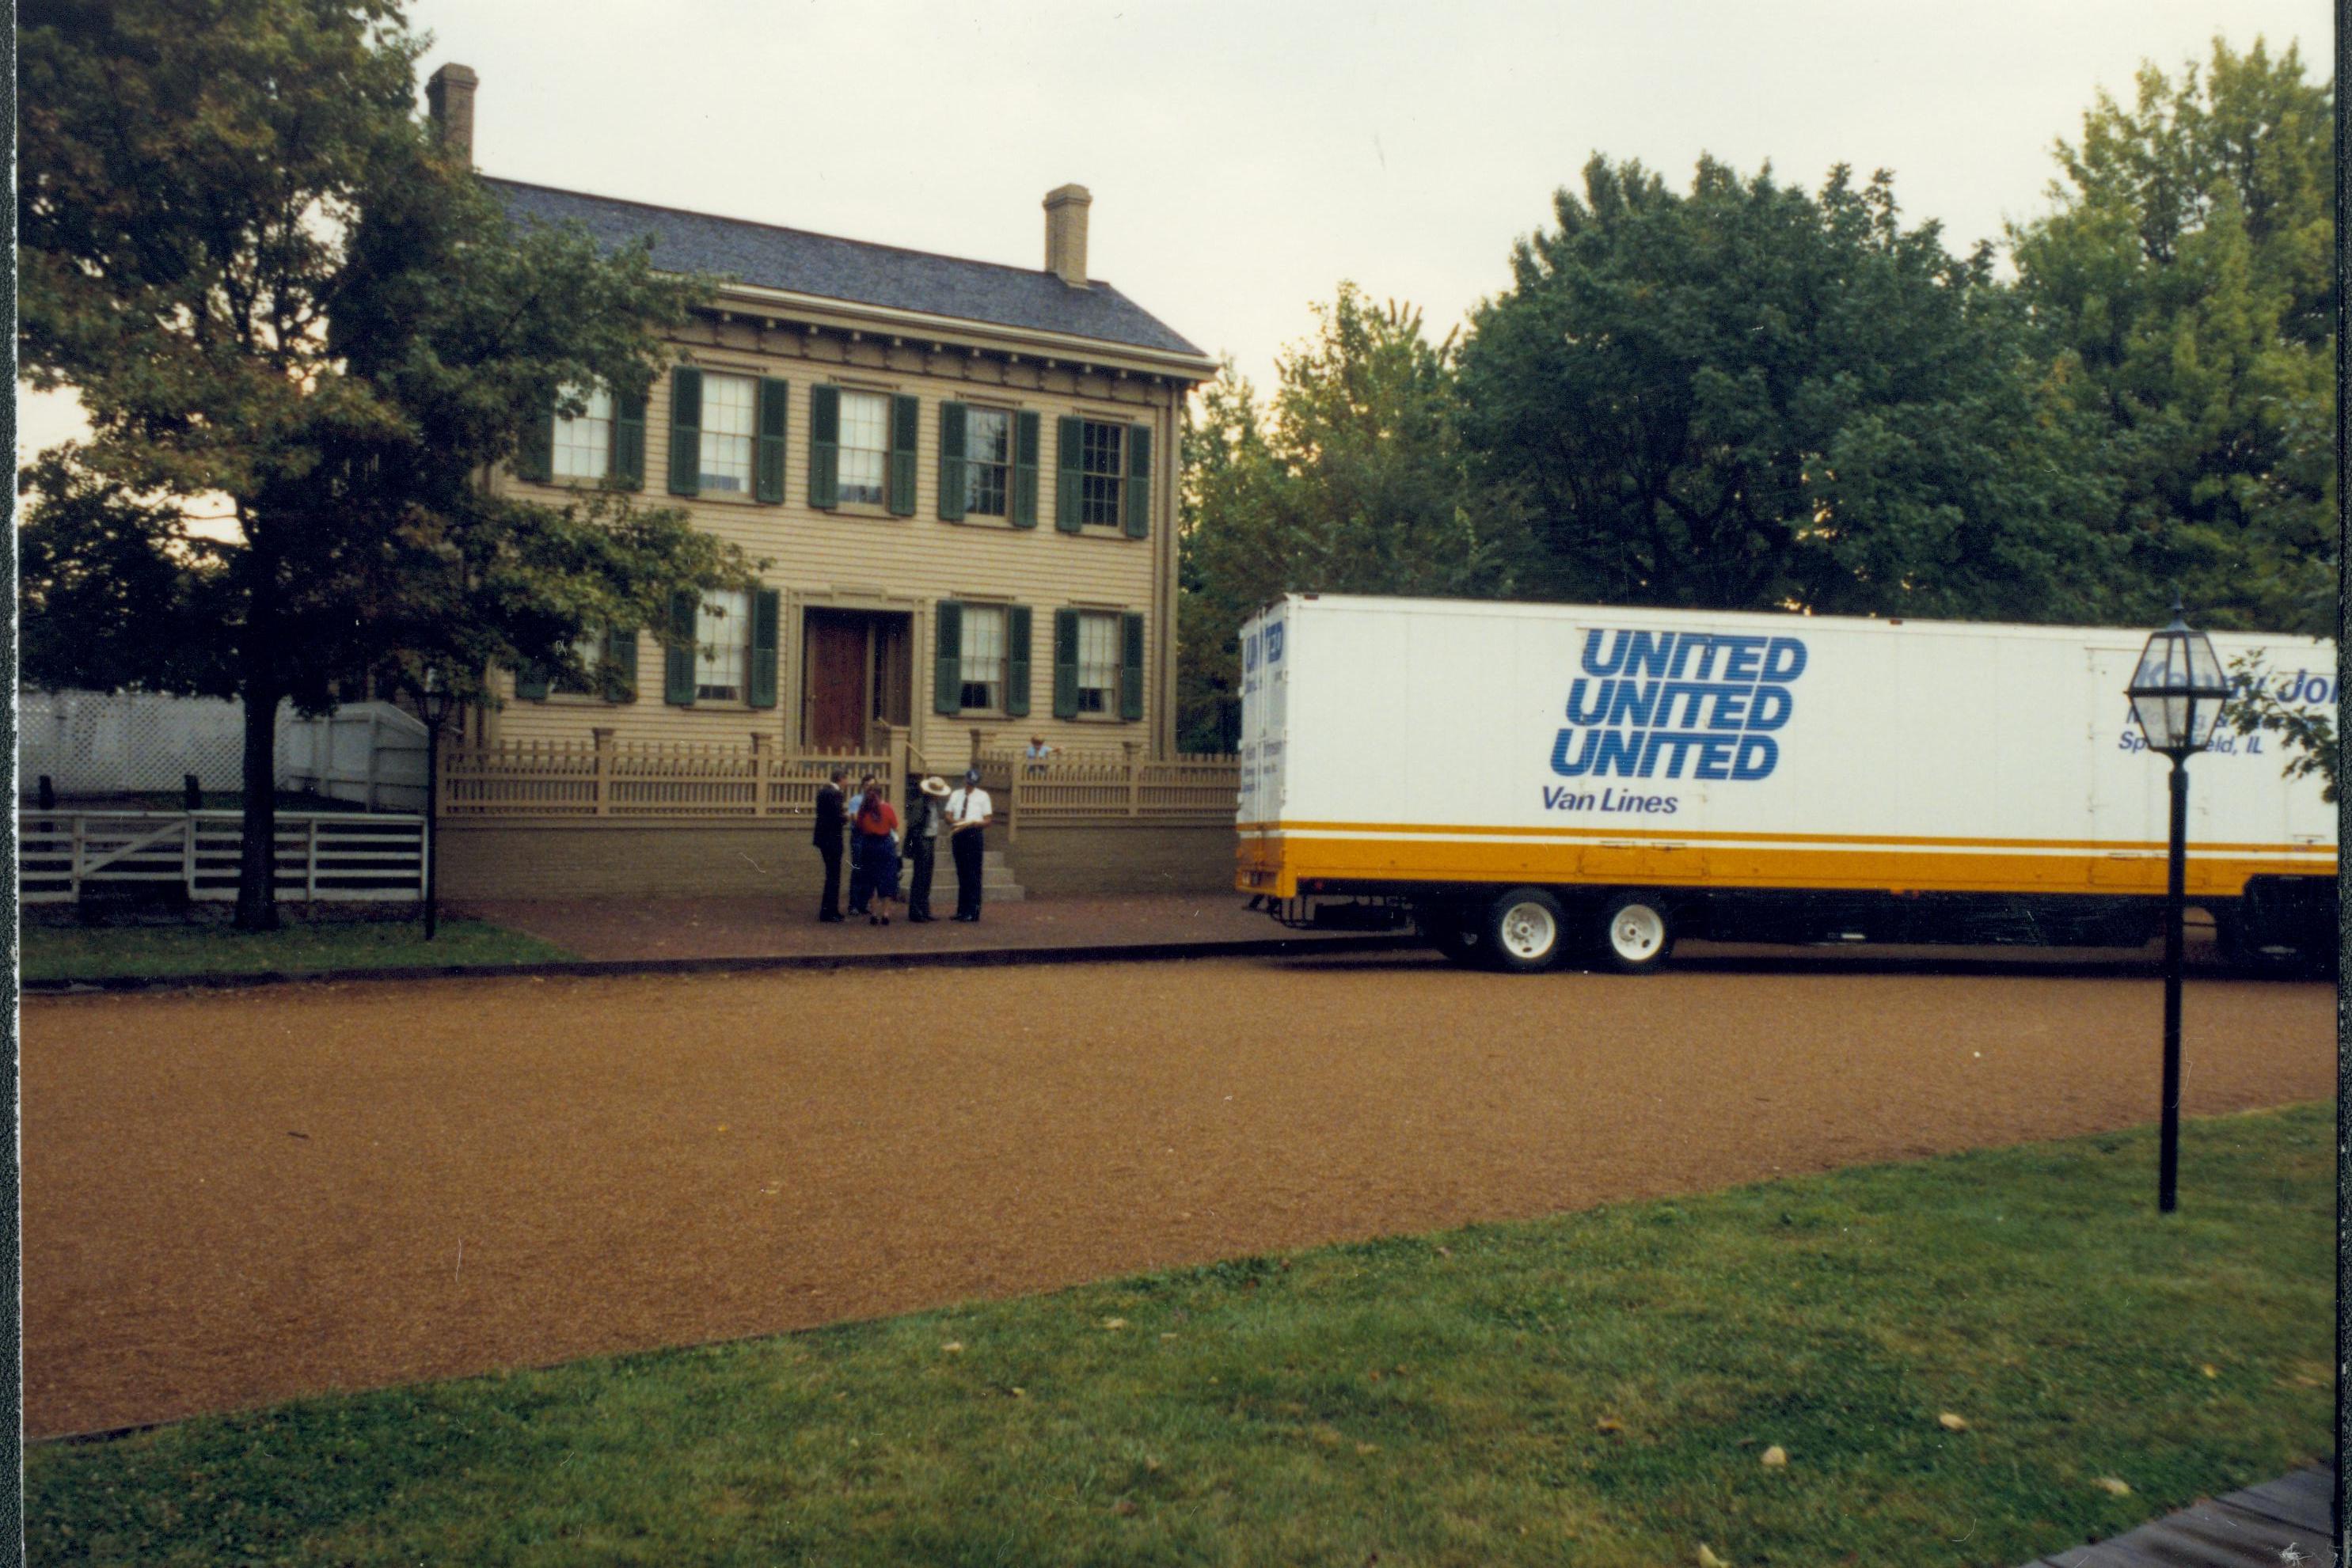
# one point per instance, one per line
(371, 754)
(322, 858)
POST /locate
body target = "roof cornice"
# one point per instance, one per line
(1064, 348)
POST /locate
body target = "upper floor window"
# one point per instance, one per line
(722, 634)
(984, 656)
(730, 412)
(1102, 470)
(864, 446)
(583, 447)
(988, 467)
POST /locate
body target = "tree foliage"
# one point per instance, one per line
(2184, 278)
(1351, 480)
(1747, 397)
(266, 282)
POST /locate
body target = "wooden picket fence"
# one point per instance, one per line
(650, 781)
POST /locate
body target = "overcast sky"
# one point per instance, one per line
(1246, 155)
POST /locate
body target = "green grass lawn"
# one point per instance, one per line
(1596, 1388)
(75, 952)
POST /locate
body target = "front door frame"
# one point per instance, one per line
(869, 603)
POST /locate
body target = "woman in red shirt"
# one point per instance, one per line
(877, 843)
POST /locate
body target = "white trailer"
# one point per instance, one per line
(1529, 781)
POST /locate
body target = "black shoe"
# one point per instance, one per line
(828, 919)
(968, 919)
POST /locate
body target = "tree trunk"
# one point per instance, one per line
(257, 883)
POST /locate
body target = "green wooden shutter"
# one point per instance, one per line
(1066, 663)
(904, 413)
(620, 665)
(535, 454)
(1138, 481)
(952, 457)
(684, 431)
(628, 464)
(1130, 671)
(775, 397)
(947, 659)
(531, 682)
(1026, 439)
(1016, 661)
(1069, 432)
(766, 612)
(825, 447)
(678, 669)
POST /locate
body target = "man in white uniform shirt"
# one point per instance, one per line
(968, 811)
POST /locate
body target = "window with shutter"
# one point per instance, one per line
(678, 652)
(775, 398)
(684, 430)
(864, 446)
(766, 613)
(629, 441)
(825, 447)
(583, 444)
(905, 413)
(620, 666)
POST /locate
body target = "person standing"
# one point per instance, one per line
(924, 806)
(967, 813)
(832, 817)
(877, 840)
(858, 883)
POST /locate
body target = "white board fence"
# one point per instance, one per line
(323, 857)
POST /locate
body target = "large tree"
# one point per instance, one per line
(1350, 481)
(1745, 396)
(2185, 275)
(276, 295)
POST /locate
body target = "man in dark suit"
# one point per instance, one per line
(831, 819)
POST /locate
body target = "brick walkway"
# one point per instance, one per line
(768, 928)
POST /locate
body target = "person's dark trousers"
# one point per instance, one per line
(829, 907)
(861, 881)
(923, 853)
(968, 853)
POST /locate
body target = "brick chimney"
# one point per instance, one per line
(1065, 233)
(449, 98)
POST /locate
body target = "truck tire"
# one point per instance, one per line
(2259, 946)
(1637, 932)
(1524, 932)
(1459, 942)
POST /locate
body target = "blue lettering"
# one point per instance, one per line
(1715, 758)
(1677, 745)
(1592, 664)
(1771, 708)
(1579, 713)
(1731, 707)
(1649, 652)
(1633, 703)
(1784, 660)
(1619, 750)
(1747, 660)
(1583, 763)
(1757, 754)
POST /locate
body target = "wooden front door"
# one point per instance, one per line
(839, 649)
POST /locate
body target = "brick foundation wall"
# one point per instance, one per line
(543, 860)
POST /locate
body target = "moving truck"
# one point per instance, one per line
(1530, 783)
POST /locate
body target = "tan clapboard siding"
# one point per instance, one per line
(864, 558)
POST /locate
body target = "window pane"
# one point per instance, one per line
(590, 648)
(1102, 453)
(987, 443)
(983, 655)
(729, 407)
(1097, 664)
(864, 446)
(723, 631)
(583, 446)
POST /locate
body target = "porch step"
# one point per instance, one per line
(996, 882)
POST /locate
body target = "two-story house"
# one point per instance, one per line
(962, 474)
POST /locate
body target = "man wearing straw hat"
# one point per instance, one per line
(968, 810)
(924, 804)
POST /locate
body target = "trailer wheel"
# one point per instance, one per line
(1524, 931)
(1459, 940)
(1636, 933)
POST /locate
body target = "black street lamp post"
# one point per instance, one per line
(434, 704)
(2177, 694)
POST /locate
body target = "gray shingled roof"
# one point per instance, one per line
(848, 269)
